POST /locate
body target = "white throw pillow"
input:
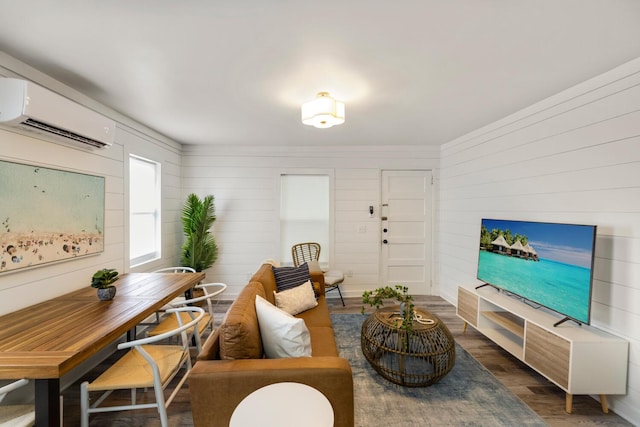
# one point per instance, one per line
(282, 334)
(296, 300)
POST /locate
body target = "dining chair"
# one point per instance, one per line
(145, 365)
(16, 415)
(175, 270)
(211, 290)
(310, 251)
(178, 269)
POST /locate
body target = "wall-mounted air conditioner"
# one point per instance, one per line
(30, 107)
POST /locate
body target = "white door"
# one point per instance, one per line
(406, 230)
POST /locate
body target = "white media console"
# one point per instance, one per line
(578, 359)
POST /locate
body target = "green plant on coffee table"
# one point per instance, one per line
(376, 298)
(104, 278)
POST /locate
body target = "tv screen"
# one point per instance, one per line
(546, 263)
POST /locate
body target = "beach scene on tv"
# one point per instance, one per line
(548, 264)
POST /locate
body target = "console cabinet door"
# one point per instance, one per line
(468, 306)
(548, 353)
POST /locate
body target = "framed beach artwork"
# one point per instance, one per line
(48, 215)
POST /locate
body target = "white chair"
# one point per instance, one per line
(144, 366)
(171, 270)
(16, 415)
(175, 270)
(210, 290)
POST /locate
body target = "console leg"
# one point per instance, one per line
(569, 403)
(603, 403)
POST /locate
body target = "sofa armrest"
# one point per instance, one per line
(317, 276)
(217, 387)
(211, 347)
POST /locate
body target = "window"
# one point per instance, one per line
(144, 210)
(304, 213)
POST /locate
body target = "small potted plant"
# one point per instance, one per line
(399, 293)
(102, 280)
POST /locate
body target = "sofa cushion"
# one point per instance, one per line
(318, 316)
(239, 333)
(296, 300)
(282, 334)
(323, 342)
(265, 276)
(290, 277)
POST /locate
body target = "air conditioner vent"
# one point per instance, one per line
(35, 109)
(61, 132)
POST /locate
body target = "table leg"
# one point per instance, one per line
(47, 402)
(188, 294)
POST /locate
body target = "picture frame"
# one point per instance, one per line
(48, 215)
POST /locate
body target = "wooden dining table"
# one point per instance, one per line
(47, 340)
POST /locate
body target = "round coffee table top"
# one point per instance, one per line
(423, 320)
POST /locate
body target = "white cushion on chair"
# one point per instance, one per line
(333, 277)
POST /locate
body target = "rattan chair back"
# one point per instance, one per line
(305, 252)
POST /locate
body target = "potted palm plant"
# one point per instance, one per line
(199, 250)
(103, 281)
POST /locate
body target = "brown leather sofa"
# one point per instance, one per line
(232, 364)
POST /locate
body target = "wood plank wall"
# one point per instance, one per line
(245, 183)
(574, 157)
(26, 287)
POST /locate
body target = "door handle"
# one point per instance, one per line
(384, 230)
(385, 241)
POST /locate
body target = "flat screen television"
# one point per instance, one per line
(547, 264)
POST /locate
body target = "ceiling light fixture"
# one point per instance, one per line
(323, 111)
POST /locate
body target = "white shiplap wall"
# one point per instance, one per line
(571, 158)
(26, 287)
(169, 156)
(245, 183)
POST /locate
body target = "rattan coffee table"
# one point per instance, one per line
(415, 359)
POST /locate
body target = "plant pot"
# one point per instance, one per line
(106, 294)
(196, 294)
(404, 308)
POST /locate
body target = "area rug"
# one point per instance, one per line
(468, 396)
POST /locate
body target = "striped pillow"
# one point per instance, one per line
(290, 277)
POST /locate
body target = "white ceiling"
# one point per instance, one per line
(236, 71)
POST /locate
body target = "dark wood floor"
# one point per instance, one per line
(547, 400)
